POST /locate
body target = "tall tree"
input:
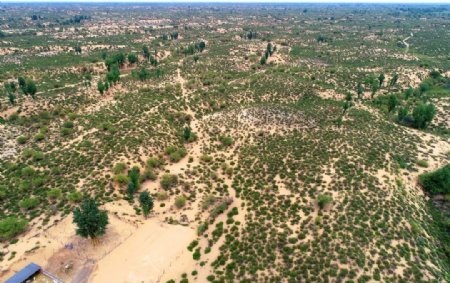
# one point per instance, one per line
(146, 52)
(31, 88)
(423, 114)
(360, 90)
(381, 79)
(90, 220)
(132, 58)
(146, 202)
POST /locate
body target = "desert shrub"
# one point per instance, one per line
(11, 227)
(323, 200)
(27, 172)
(68, 124)
(148, 174)
(22, 139)
(154, 162)
(436, 182)
(226, 140)
(422, 163)
(75, 196)
(54, 193)
(206, 158)
(162, 195)
(121, 179)
(180, 201)
(168, 181)
(29, 203)
(39, 137)
(207, 201)
(119, 168)
(192, 245)
(202, 228)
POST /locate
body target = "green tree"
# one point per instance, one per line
(114, 74)
(30, 88)
(90, 220)
(22, 82)
(360, 90)
(381, 78)
(423, 114)
(263, 60)
(375, 87)
(101, 87)
(146, 52)
(186, 133)
(133, 175)
(323, 200)
(12, 98)
(132, 58)
(77, 49)
(402, 113)
(394, 80)
(392, 102)
(146, 202)
(409, 92)
(143, 74)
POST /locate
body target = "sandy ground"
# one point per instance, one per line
(145, 256)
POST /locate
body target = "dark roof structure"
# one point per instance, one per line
(23, 275)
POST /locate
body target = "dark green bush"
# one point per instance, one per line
(436, 182)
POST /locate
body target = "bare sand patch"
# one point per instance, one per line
(145, 255)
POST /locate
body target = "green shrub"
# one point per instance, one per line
(119, 168)
(75, 196)
(323, 200)
(39, 137)
(54, 193)
(162, 195)
(22, 139)
(436, 182)
(226, 140)
(422, 163)
(121, 179)
(154, 162)
(180, 201)
(11, 227)
(168, 181)
(29, 203)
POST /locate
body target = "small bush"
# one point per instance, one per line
(54, 193)
(180, 201)
(323, 200)
(121, 179)
(226, 140)
(29, 203)
(75, 196)
(22, 139)
(168, 181)
(119, 168)
(422, 163)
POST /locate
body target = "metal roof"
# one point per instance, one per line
(24, 274)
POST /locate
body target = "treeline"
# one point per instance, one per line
(413, 107)
(114, 62)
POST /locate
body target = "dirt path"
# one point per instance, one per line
(406, 43)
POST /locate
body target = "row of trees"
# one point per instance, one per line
(270, 49)
(375, 83)
(193, 48)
